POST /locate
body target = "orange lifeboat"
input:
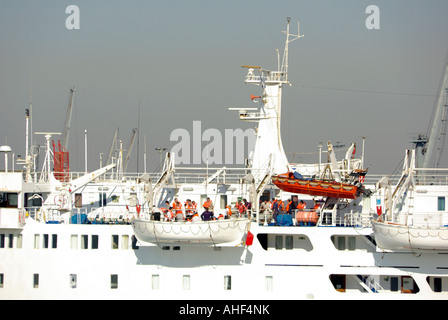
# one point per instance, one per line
(287, 182)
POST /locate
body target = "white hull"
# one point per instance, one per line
(283, 263)
(228, 232)
(395, 237)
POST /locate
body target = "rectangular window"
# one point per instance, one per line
(351, 243)
(223, 201)
(288, 242)
(45, 244)
(155, 282)
(74, 242)
(437, 284)
(36, 280)
(2, 240)
(227, 282)
(19, 241)
(115, 241)
(186, 282)
(114, 281)
(84, 241)
(269, 283)
(341, 243)
(125, 242)
(278, 242)
(103, 199)
(10, 241)
(36, 241)
(441, 203)
(1, 280)
(394, 284)
(73, 281)
(54, 241)
(95, 241)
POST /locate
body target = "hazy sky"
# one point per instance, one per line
(181, 60)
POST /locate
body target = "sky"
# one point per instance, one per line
(180, 61)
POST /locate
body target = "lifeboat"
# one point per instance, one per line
(228, 232)
(403, 238)
(289, 183)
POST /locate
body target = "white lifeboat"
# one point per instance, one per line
(399, 237)
(228, 232)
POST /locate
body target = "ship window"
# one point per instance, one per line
(84, 241)
(125, 242)
(441, 203)
(223, 201)
(155, 282)
(2, 240)
(36, 241)
(19, 241)
(9, 200)
(114, 281)
(115, 241)
(36, 280)
(45, 245)
(351, 243)
(227, 282)
(288, 242)
(1, 280)
(269, 283)
(73, 281)
(54, 241)
(95, 241)
(186, 282)
(103, 199)
(10, 240)
(338, 281)
(394, 284)
(437, 284)
(278, 242)
(74, 241)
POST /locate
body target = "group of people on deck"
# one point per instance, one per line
(175, 211)
(278, 206)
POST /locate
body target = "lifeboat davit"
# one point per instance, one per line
(287, 182)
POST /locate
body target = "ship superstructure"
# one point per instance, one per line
(108, 235)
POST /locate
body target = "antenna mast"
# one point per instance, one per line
(284, 67)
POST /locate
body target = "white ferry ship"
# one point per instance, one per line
(104, 235)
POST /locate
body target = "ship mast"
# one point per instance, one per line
(268, 145)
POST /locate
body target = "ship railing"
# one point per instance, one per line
(350, 219)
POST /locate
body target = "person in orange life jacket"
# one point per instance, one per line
(208, 204)
(289, 206)
(207, 215)
(177, 206)
(281, 206)
(169, 215)
(220, 217)
(229, 211)
(195, 205)
(301, 205)
(189, 209)
(241, 208)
